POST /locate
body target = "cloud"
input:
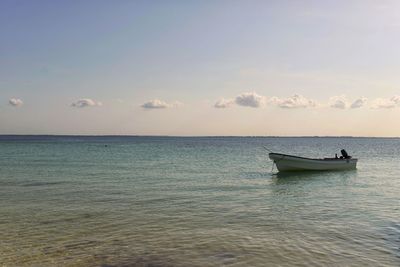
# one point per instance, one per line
(250, 100)
(338, 102)
(159, 104)
(295, 101)
(224, 103)
(15, 102)
(86, 102)
(358, 103)
(386, 102)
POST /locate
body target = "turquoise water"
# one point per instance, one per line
(153, 201)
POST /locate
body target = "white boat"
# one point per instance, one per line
(286, 163)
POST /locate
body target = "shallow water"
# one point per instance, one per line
(158, 201)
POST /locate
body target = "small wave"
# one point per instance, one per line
(255, 175)
(82, 244)
(70, 219)
(140, 262)
(392, 237)
(43, 183)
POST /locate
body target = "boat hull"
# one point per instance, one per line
(286, 163)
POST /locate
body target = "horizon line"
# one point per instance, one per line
(193, 136)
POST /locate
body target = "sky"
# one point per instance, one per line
(195, 68)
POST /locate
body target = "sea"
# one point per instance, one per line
(124, 201)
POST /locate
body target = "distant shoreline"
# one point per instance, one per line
(183, 136)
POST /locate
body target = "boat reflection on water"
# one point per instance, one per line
(287, 177)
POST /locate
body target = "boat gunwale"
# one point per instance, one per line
(326, 159)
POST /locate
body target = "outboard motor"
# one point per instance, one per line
(344, 154)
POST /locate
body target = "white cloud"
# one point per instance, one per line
(358, 103)
(86, 102)
(224, 103)
(338, 102)
(159, 104)
(295, 101)
(386, 102)
(250, 100)
(15, 102)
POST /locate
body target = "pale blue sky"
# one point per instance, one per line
(190, 54)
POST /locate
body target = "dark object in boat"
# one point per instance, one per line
(344, 154)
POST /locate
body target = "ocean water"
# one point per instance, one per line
(202, 201)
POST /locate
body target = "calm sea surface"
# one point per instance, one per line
(159, 201)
